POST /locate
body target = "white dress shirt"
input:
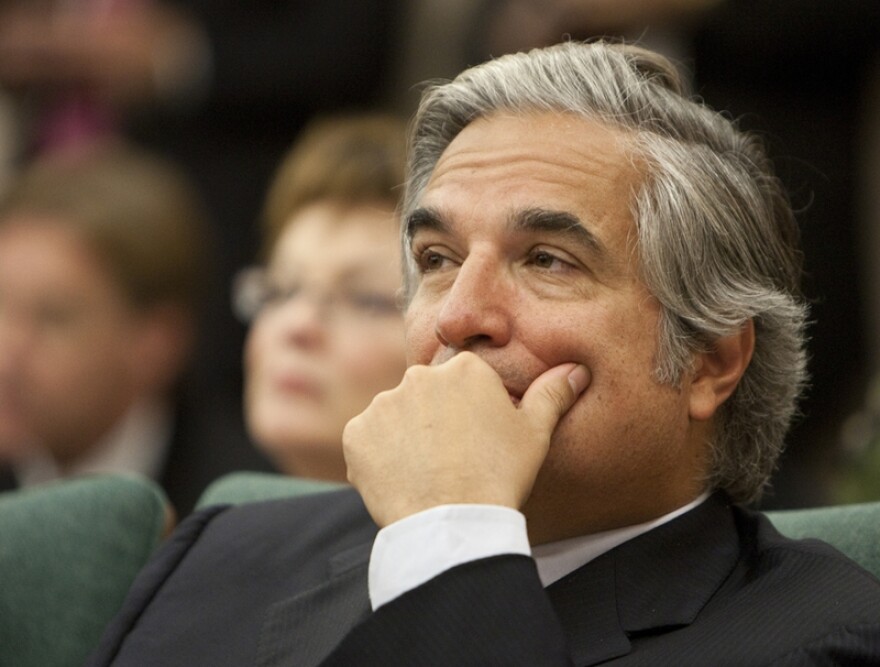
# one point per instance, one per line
(416, 549)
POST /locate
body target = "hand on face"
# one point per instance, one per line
(451, 434)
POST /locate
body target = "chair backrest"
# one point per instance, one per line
(245, 487)
(852, 529)
(68, 553)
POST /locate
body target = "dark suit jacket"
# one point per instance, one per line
(284, 582)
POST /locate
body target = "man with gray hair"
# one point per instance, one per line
(606, 346)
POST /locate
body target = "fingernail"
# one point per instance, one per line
(579, 378)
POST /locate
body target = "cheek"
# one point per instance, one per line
(258, 394)
(254, 347)
(554, 340)
(250, 361)
(626, 414)
(68, 390)
(623, 403)
(79, 367)
(260, 348)
(371, 364)
(421, 342)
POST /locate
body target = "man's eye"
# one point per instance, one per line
(545, 260)
(431, 260)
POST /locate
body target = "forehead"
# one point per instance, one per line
(544, 160)
(329, 236)
(45, 261)
(33, 246)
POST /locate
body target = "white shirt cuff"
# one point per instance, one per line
(411, 551)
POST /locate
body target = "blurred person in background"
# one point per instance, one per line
(102, 262)
(223, 88)
(326, 330)
(14, 435)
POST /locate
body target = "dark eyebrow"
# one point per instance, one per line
(561, 223)
(423, 218)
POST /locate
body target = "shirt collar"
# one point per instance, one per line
(557, 559)
(138, 443)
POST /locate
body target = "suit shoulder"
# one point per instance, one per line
(326, 520)
(774, 548)
(807, 574)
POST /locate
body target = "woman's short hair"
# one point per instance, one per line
(348, 159)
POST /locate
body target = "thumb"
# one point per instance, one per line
(554, 392)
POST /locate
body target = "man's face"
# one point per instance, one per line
(527, 253)
(66, 337)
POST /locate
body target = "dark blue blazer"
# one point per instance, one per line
(284, 583)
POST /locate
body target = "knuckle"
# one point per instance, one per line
(468, 363)
(350, 427)
(470, 360)
(420, 370)
(416, 373)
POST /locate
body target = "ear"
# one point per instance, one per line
(718, 371)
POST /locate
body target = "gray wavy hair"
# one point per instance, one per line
(717, 240)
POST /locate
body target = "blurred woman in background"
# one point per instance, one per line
(327, 333)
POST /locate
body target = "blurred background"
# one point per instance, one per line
(221, 90)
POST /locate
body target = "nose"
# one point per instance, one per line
(303, 322)
(477, 309)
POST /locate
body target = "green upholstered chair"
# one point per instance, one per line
(244, 487)
(68, 554)
(853, 529)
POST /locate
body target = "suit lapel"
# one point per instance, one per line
(652, 584)
(296, 631)
(667, 576)
(586, 603)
